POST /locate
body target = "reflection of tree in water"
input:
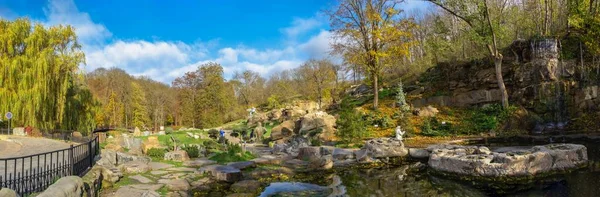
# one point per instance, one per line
(406, 180)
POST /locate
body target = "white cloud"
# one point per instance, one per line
(65, 12)
(300, 26)
(164, 60)
(318, 46)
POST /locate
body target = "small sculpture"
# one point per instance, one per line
(399, 133)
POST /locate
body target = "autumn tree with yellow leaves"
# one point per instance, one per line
(371, 34)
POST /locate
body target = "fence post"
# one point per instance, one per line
(72, 160)
(90, 155)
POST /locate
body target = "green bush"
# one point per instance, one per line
(213, 133)
(156, 152)
(351, 127)
(169, 130)
(486, 118)
(191, 150)
(234, 153)
(212, 146)
(432, 127)
(379, 119)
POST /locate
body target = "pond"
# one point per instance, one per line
(413, 179)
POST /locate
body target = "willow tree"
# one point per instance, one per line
(371, 34)
(39, 77)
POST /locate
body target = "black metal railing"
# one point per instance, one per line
(34, 173)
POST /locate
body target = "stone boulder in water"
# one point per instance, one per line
(480, 162)
(385, 147)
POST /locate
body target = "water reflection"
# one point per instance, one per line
(414, 180)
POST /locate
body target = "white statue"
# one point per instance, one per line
(399, 133)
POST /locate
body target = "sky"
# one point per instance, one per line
(165, 39)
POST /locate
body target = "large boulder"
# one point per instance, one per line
(113, 158)
(150, 142)
(65, 187)
(480, 162)
(137, 132)
(284, 130)
(309, 152)
(223, 173)
(292, 146)
(5, 192)
(318, 120)
(385, 147)
(258, 118)
(275, 114)
(178, 155)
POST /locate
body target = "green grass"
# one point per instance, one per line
(174, 163)
(163, 191)
(233, 124)
(269, 128)
(226, 157)
(180, 136)
(124, 181)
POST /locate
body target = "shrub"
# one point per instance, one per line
(213, 133)
(156, 152)
(351, 127)
(191, 150)
(432, 127)
(169, 130)
(379, 119)
(234, 153)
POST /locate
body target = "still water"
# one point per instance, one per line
(414, 180)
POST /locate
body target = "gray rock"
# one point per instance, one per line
(327, 150)
(223, 173)
(159, 166)
(179, 155)
(242, 164)
(138, 190)
(110, 173)
(5, 192)
(342, 154)
(309, 152)
(182, 169)
(66, 186)
(418, 153)
(141, 179)
(177, 185)
(246, 186)
(177, 194)
(134, 167)
(198, 162)
(473, 161)
(385, 147)
(158, 172)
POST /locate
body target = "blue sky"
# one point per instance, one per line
(163, 40)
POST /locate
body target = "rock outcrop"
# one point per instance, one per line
(318, 122)
(65, 187)
(385, 147)
(480, 162)
(178, 155)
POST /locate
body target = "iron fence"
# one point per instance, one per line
(34, 173)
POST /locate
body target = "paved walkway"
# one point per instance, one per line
(17, 146)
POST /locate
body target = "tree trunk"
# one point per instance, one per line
(375, 91)
(499, 78)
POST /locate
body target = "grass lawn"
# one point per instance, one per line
(181, 137)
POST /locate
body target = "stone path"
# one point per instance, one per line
(177, 180)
